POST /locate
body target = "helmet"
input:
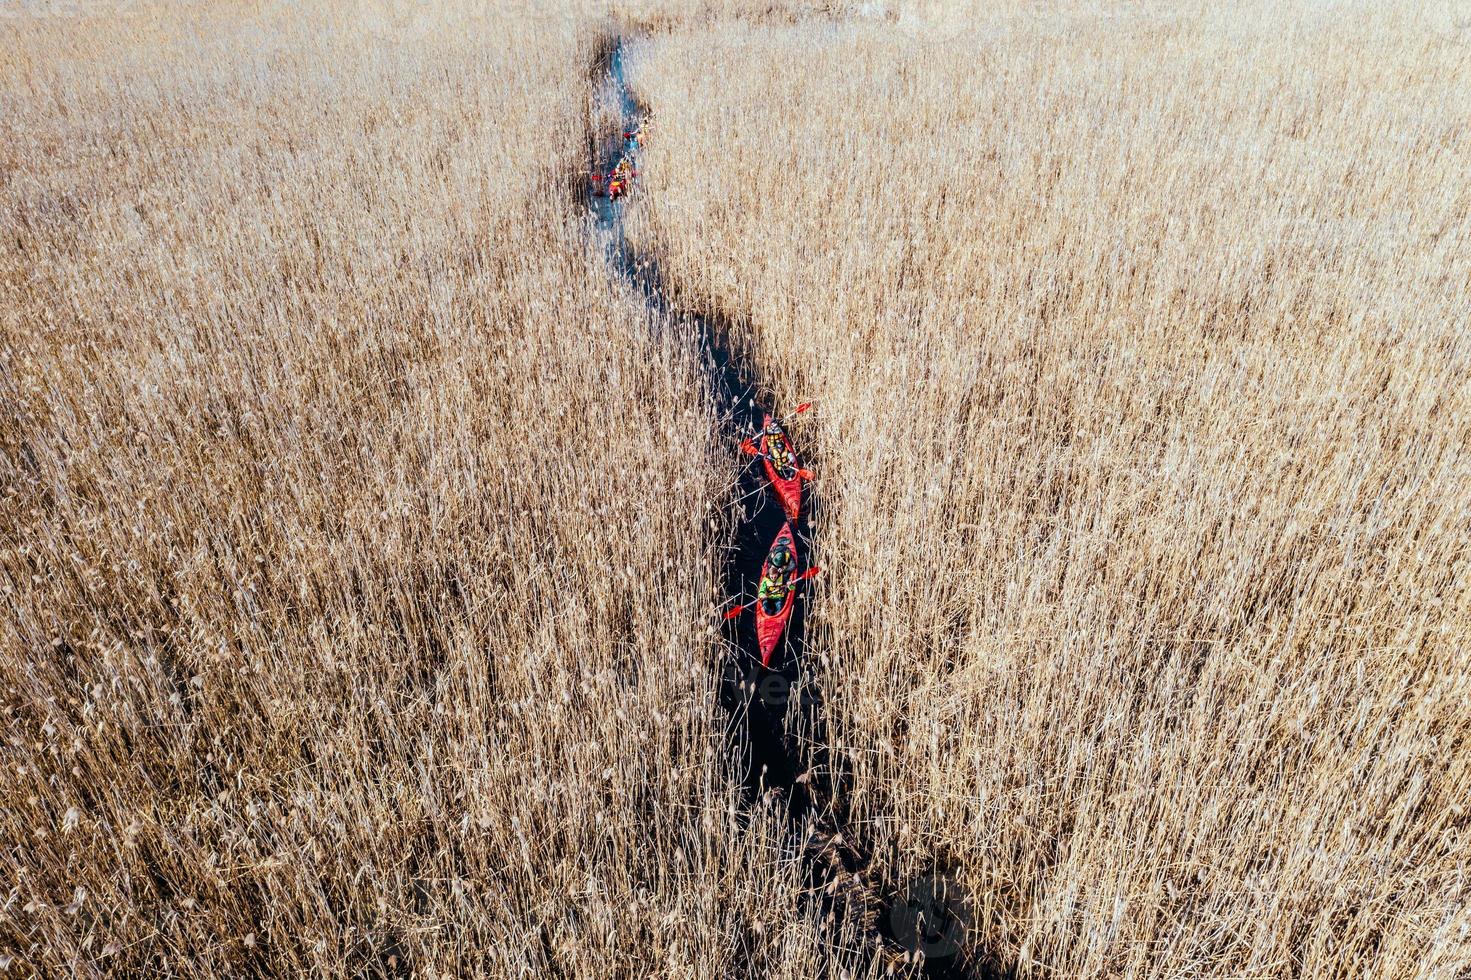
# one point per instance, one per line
(780, 558)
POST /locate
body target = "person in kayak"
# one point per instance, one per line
(777, 584)
(775, 594)
(780, 451)
(621, 178)
(771, 444)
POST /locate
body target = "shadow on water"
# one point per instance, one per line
(776, 725)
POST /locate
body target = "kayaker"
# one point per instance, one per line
(774, 439)
(620, 179)
(777, 583)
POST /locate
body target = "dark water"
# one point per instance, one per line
(776, 726)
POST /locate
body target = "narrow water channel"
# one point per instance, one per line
(776, 726)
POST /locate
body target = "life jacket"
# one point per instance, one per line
(773, 595)
(781, 454)
(775, 588)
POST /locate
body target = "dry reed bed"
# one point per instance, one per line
(1141, 343)
(343, 632)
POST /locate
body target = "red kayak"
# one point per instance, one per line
(782, 468)
(778, 591)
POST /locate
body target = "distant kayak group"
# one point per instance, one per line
(781, 572)
(617, 182)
